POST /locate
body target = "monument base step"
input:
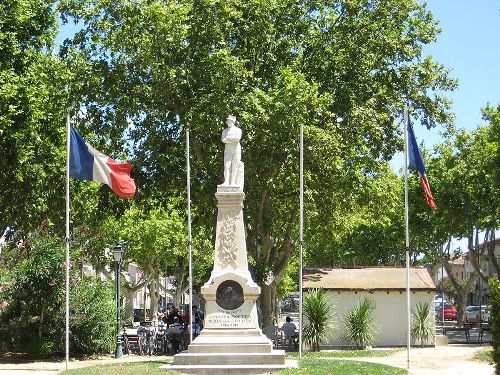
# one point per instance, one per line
(247, 341)
(261, 348)
(231, 369)
(276, 357)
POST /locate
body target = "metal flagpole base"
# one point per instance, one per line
(119, 349)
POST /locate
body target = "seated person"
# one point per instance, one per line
(172, 315)
(174, 333)
(289, 329)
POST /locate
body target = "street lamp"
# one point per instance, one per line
(118, 256)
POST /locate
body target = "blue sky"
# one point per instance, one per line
(468, 46)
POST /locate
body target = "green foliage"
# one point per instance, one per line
(494, 290)
(36, 296)
(32, 105)
(359, 322)
(484, 356)
(156, 239)
(275, 65)
(290, 280)
(463, 176)
(368, 234)
(92, 317)
(422, 319)
(318, 314)
(35, 292)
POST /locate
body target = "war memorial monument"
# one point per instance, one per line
(231, 341)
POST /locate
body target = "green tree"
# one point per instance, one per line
(462, 173)
(494, 287)
(370, 234)
(276, 65)
(36, 295)
(32, 103)
(35, 292)
(155, 239)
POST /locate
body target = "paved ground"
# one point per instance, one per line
(441, 360)
(23, 367)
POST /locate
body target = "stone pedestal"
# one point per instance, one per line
(231, 341)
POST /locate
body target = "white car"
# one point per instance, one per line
(472, 314)
(438, 303)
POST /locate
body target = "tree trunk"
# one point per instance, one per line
(40, 326)
(461, 289)
(153, 299)
(267, 303)
(129, 302)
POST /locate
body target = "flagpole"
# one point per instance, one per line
(188, 182)
(407, 241)
(301, 239)
(66, 240)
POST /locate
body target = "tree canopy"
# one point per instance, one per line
(155, 68)
(141, 72)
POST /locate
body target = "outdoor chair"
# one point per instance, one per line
(273, 333)
(133, 341)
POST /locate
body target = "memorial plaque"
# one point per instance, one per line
(229, 295)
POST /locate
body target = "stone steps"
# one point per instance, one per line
(231, 369)
(276, 357)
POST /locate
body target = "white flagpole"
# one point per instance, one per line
(188, 182)
(301, 239)
(407, 243)
(68, 145)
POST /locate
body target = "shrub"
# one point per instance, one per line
(494, 287)
(34, 320)
(318, 313)
(422, 328)
(359, 322)
(92, 317)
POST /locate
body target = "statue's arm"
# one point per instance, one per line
(223, 137)
(234, 136)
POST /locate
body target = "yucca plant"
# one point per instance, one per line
(360, 325)
(422, 328)
(318, 314)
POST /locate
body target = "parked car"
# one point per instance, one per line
(472, 314)
(450, 312)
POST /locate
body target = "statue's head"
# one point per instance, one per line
(231, 120)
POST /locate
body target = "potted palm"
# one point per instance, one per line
(360, 326)
(318, 313)
(422, 328)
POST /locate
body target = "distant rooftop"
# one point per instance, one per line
(367, 278)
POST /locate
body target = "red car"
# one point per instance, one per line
(450, 313)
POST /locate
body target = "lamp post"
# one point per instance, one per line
(118, 256)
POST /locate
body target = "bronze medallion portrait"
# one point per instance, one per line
(229, 295)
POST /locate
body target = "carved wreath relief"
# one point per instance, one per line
(227, 242)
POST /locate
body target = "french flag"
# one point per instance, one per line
(86, 163)
(416, 163)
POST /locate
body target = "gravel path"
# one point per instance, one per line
(441, 360)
